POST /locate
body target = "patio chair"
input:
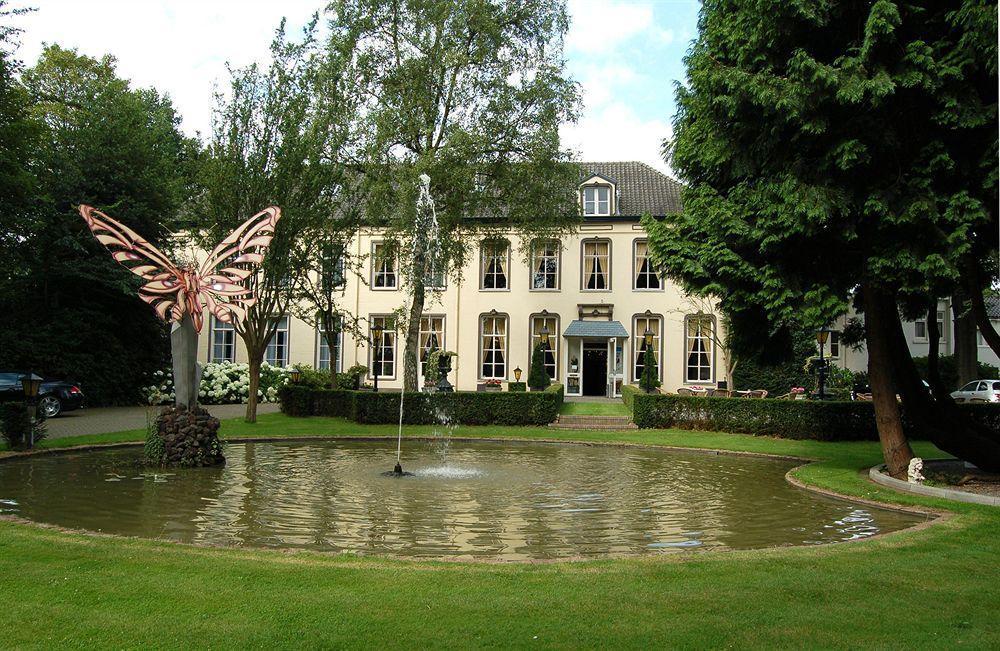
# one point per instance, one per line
(720, 393)
(684, 391)
(866, 397)
(741, 394)
(758, 393)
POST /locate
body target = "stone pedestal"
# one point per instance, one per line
(185, 437)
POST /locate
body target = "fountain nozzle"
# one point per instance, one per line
(398, 470)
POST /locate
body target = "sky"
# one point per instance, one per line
(626, 55)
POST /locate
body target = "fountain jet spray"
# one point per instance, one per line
(426, 232)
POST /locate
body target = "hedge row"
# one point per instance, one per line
(458, 408)
(790, 419)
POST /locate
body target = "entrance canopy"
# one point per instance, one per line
(598, 329)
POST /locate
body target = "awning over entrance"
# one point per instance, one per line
(600, 329)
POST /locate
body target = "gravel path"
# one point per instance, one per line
(116, 419)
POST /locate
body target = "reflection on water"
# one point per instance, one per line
(513, 501)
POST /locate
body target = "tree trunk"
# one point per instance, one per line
(966, 345)
(879, 306)
(974, 290)
(255, 361)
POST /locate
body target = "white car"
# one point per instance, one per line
(978, 391)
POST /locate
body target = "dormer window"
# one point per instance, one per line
(597, 200)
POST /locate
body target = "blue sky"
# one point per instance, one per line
(626, 55)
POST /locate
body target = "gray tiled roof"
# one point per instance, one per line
(605, 329)
(993, 307)
(642, 189)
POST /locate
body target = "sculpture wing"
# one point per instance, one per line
(164, 279)
(239, 255)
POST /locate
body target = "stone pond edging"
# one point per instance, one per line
(878, 475)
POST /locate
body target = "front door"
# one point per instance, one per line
(595, 370)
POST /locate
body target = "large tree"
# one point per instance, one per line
(834, 150)
(277, 140)
(471, 93)
(66, 308)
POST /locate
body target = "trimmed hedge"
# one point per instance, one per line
(790, 419)
(457, 408)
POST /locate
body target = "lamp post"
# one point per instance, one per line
(517, 374)
(31, 384)
(822, 335)
(295, 375)
(377, 331)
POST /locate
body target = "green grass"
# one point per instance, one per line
(616, 408)
(935, 587)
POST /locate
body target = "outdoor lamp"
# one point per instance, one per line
(377, 331)
(295, 375)
(31, 384)
(544, 334)
(517, 374)
(821, 336)
(647, 337)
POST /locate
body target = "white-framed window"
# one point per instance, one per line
(920, 328)
(431, 337)
(644, 276)
(384, 274)
(436, 279)
(698, 348)
(551, 361)
(494, 263)
(597, 200)
(276, 353)
(834, 343)
(333, 267)
(493, 347)
(323, 356)
(640, 325)
(223, 341)
(597, 265)
(383, 353)
(545, 265)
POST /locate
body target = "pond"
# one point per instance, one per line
(512, 501)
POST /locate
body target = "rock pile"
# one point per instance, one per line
(187, 437)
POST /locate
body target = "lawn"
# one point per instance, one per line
(616, 408)
(933, 587)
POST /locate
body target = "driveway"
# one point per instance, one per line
(116, 419)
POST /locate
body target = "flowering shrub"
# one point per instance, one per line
(222, 383)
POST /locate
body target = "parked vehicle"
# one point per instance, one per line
(978, 391)
(54, 396)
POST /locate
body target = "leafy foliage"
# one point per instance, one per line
(649, 381)
(538, 377)
(948, 370)
(18, 428)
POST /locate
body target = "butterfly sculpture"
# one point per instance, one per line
(176, 291)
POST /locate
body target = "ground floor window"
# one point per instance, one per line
(323, 356)
(277, 348)
(639, 327)
(538, 322)
(699, 348)
(384, 350)
(493, 347)
(223, 341)
(431, 337)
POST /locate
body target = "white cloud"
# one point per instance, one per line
(617, 133)
(598, 26)
(600, 83)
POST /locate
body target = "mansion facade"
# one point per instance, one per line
(593, 295)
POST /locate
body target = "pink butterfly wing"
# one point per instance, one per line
(239, 255)
(141, 258)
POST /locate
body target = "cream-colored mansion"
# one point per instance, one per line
(594, 292)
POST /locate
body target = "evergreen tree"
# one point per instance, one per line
(538, 377)
(649, 381)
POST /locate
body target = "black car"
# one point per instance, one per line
(54, 396)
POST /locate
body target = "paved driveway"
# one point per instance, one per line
(117, 419)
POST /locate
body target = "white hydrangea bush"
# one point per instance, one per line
(222, 383)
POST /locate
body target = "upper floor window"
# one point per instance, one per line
(384, 350)
(597, 265)
(832, 349)
(383, 267)
(494, 263)
(645, 276)
(699, 348)
(545, 265)
(223, 341)
(551, 356)
(920, 332)
(324, 358)
(597, 200)
(641, 325)
(276, 353)
(493, 347)
(332, 267)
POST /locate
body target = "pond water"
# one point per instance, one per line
(513, 501)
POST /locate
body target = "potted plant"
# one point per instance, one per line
(492, 385)
(438, 368)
